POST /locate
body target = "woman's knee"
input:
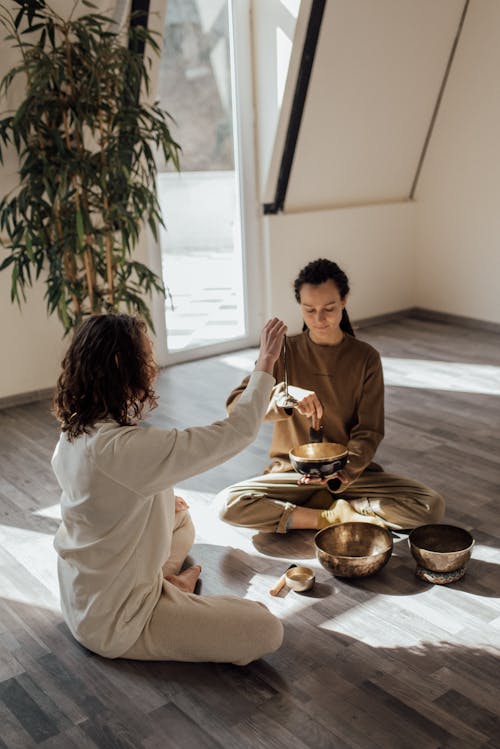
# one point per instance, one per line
(224, 503)
(231, 504)
(275, 632)
(183, 519)
(267, 636)
(184, 527)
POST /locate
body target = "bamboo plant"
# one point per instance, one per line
(86, 143)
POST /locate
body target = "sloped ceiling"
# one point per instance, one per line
(377, 73)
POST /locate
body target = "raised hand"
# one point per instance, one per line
(271, 342)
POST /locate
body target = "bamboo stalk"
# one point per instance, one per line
(68, 259)
(87, 259)
(107, 238)
(80, 197)
(87, 254)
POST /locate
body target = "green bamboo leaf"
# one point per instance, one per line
(34, 27)
(51, 33)
(7, 261)
(20, 113)
(18, 18)
(14, 281)
(29, 245)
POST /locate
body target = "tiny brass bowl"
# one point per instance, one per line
(353, 549)
(441, 548)
(318, 459)
(299, 579)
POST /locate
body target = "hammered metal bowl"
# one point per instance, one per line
(299, 579)
(353, 549)
(441, 548)
(318, 459)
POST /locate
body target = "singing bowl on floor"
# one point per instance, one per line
(299, 579)
(441, 548)
(318, 459)
(353, 549)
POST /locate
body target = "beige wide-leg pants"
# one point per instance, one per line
(266, 502)
(187, 627)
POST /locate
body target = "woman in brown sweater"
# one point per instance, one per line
(337, 381)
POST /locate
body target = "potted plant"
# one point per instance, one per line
(87, 178)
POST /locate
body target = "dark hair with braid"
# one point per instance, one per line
(319, 271)
(108, 372)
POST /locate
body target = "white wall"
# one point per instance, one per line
(374, 245)
(458, 228)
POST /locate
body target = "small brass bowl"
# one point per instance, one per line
(441, 548)
(318, 459)
(299, 579)
(353, 549)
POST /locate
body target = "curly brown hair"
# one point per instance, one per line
(108, 372)
(316, 273)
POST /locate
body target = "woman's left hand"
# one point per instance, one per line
(180, 504)
(323, 482)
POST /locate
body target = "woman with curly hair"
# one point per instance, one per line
(124, 535)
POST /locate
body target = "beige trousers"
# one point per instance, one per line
(187, 627)
(266, 502)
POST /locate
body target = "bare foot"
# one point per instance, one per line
(185, 581)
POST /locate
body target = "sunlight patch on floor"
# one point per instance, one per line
(34, 577)
(53, 511)
(442, 375)
(241, 360)
(428, 374)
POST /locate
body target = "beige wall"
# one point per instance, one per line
(458, 234)
(31, 343)
(374, 245)
(368, 106)
(376, 76)
(449, 260)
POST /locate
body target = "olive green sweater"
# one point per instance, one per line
(347, 378)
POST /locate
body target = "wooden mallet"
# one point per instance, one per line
(279, 585)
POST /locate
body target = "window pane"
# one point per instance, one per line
(201, 248)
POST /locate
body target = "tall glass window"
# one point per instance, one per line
(201, 246)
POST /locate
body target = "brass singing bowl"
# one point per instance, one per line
(318, 459)
(299, 578)
(353, 549)
(441, 548)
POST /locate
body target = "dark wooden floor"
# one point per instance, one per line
(388, 662)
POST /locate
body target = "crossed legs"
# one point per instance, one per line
(268, 503)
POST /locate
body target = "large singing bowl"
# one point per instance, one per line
(441, 548)
(353, 549)
(318, 459)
